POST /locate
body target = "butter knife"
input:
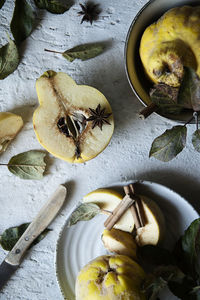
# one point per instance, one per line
(37, 226)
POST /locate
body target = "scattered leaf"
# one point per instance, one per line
(196, 140)
(9, 59)
(28, 165)
(83, 52)
(22, 21)
(189, 92)
(53, 6)
(11, 235)
(169, 144)
(2, 3)
(84, 212)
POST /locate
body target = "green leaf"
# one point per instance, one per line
(169, 144)
(53, 6)
(155, 287)
(191, 248)
(155, 255)
(182, 287)
(28, 165)
(11, 235)
(22, 21)
(189, 92)
(196, 140)
(9, 59)
(165, 97)
(84, 212)
(84, 52)
(2, 3)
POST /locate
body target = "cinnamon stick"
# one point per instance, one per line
(121, 208)
(147, 111)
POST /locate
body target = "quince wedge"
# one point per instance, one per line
(170, 44)
(10, 125)
(108, 277)
(67, 122)
(119, 242)
(107, 199)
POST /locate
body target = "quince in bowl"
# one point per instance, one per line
(116, 277)
(162, 39)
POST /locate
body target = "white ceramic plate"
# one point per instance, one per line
(81, 243)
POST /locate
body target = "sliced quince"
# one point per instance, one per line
(119, 242)
(153, 231)
(108, 199)
(10, 125)
(116, 277)
(73, 122)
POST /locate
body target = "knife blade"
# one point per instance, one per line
(36, 227)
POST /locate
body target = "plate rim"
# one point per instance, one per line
(118, 183)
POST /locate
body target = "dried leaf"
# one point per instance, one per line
(11, 235)
(28, 165)
(9, 59)
(196, 140)
(2, 3)
(54, 6)
(189, 93)
(22, 21)
(84, 212)
(169, 144)
(83, 52)
(165, 97)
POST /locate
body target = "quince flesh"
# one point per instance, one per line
(10, 125)
(63, 101)
(110, 278)
(108, 199)
(170, 44)
(119, 242)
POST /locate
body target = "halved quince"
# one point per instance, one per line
(108, 199)
(107, 277)
(10, 125)
(64, 122)
(119, 242)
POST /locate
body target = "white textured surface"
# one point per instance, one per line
(125, 157)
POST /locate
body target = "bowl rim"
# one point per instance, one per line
(126, 67)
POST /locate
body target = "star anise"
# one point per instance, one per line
(98, 117)
(90, 12)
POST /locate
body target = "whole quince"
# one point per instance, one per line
(108, 277)
(73, 122)
(170, 44)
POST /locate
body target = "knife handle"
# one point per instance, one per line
(41, 221)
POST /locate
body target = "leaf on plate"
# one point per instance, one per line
(165, 97)
(191, 248)
(11, 235)
(196, 140)
(84, 52)
(84, 212)
(155, 287)
(28, 165)
(2, 3)
(182, 287)
(9, 59)
(155, 255)
(54, 6)
(22, 21)
(169, 144)
(189, 92)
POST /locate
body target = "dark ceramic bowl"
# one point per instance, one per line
(134, 69)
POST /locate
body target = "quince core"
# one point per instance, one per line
(60, 122)
(170, 44)
(108, 277)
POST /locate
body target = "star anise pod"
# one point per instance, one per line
(90, 12)
(98, 117)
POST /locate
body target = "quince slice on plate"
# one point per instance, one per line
(119, 242)
(10, 125)
(116, 277)
(153, 231)
(68, 123)
(108, 199)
